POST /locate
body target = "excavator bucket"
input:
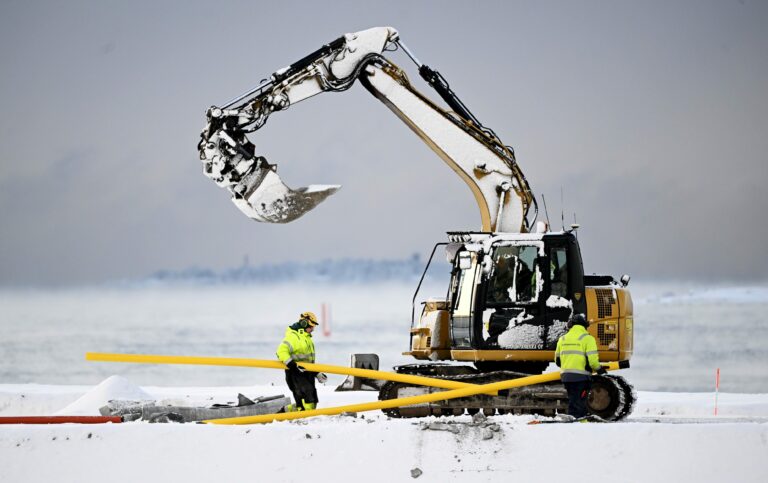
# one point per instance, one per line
(264, 197)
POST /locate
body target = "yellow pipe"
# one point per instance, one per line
(267, 364)
(406, 401)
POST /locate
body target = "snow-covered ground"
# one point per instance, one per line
(670, 437)
(683, 333)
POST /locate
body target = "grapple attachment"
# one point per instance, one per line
(230, 160)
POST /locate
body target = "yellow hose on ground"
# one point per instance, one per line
(406, 401)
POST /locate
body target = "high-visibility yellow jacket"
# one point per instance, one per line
(577, 354)
(297, 345)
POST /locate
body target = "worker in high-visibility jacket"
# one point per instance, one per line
(577, 357)
(298, 346)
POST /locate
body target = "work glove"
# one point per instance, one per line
(601, 370)
(321, 378)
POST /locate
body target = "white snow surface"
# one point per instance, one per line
(520, 335)
(523, 336)
(314, 188)
(669, 437)
(114, 387)
(557, 330)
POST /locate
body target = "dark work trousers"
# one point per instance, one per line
(577, 397)
(302, 385)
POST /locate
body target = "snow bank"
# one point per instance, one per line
(112, 388)
(37, 399)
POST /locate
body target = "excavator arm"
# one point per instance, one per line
(473, 151)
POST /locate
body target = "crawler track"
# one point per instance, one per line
(612, 397)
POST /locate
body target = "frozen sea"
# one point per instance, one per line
(684, 332)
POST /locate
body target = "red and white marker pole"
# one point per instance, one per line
(325, 316)
(717, 387)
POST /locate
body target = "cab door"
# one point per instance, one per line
(464, 293)
(557, 292)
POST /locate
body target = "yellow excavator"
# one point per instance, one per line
(514, 283)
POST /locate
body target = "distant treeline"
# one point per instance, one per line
(328, 271)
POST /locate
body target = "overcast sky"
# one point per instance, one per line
(651, 116)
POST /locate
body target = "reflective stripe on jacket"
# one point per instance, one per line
(577, 351)
(297, 345)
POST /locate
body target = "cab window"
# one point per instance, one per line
(558, 271)
(464, 289)
(514, 277)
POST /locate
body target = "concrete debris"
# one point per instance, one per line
(159, 412)
(453, 428)
(487, 428)
(165, 417)
(416, 472)
(478, 418)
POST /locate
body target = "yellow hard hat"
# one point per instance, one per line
(310, 318)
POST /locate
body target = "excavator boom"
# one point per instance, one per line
(473, 151)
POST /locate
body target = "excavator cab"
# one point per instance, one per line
(529, 284)
(510, 299)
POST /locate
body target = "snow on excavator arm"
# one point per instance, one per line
(473, 151)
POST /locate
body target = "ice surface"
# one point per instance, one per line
(47, 333)
(736, 295)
